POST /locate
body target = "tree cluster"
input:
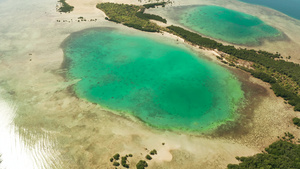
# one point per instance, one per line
(130, 15)
(141, 164)
(263, 76)
(293, 99)
(146, 16)
(281, 154)
(153, 152)
(153, 5)
(123, 162)
(296, 121)
(263, 58)
(65, 6)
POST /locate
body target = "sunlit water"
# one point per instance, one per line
(163, 85)
(227, 25)
(16, 153)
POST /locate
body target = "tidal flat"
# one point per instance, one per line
(82, 134)
(286, 45)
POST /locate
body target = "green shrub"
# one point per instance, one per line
(141, 164)
(153, 5)
(150, 16)
(116, 163)
(148, 157)
(124, 162)
(296, 121)
(297, 107)
(153, 152)
(130, 15)
(116, 156)
(281, 154)
(65, 6)
(263, 76)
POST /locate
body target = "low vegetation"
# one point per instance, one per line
(153, 152)
(153, 5)
(296, 121)
(131, 16)
(266, 65)
(116, 156)
(283, 76)
(141, 164)
(124, 159)
(148, 157)
(124, 162)
(146, 16)
(116, 164)
(65, 7)
(280, 154)
(115, 160)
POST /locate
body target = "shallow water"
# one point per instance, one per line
(227, 25)
(288, 7)
(163, 85)
(16, 153)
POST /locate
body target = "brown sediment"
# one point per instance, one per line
(254, 94)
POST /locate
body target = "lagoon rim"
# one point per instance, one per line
(133, 75)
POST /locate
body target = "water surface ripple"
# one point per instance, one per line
(163, 85)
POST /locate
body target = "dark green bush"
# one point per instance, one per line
(124, 162)
(150, 16)
(65, 6)
(148, 157)
(296, 121)
(116, 163)
(153, 5)
(153, 152)
(281, 154)
(263, 76)
(116, 156)
(128, 16)
(297, 107)
(141, 164)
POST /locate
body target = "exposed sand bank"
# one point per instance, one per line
(85, 135)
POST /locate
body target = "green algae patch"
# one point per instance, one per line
(166, 86)
(227, 25)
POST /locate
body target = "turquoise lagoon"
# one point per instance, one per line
(288, 7)
(166, 86)
(227, 25)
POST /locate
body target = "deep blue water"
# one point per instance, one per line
(288, 7)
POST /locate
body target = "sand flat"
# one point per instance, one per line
(86, 135)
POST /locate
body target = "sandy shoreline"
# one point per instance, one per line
(289, 46)
(85, 134)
